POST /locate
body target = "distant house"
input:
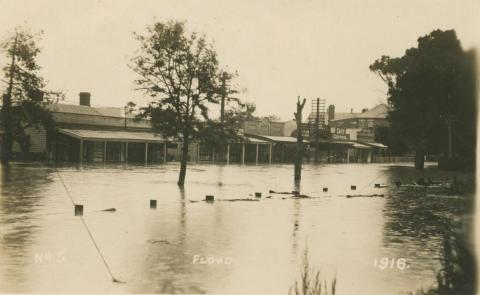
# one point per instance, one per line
(360, 126)
(270, 128)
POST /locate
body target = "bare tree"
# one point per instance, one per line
(299, 152)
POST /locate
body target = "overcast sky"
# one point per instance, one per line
(281, 49)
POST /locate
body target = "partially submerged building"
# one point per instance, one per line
(350, 137)
(88, 134)
(99, 134)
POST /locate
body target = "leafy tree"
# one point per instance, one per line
(179, 72)
(386, 135)
(273, 118)
(130, 107)
(215, 133)
(25, 99)
(428, 86)
(237, 115)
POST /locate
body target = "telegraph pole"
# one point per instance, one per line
(317, 122)
(223, 78)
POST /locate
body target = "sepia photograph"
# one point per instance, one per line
(309, 147)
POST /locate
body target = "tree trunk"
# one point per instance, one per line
(184, 159)
(298, 161)
(7, 143)
(419, 158)
(7, 138)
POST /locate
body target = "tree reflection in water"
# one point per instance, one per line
(22, 192)
(429, 218)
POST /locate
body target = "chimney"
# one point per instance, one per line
(331, 112)
(85, 99)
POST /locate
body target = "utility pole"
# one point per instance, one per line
(223, 79)
(125, 112)
(299, 152)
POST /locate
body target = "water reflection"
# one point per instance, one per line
(416, 220)
(296, 216)
(159, 250)
(20, 199)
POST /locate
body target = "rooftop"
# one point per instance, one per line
(104, 135)
(378, 112)
(86, 110)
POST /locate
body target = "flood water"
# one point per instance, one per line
(257, 245)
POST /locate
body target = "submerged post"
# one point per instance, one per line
(198, 152)
(153, 204)
(78, 211)
(146, 153)
(165, 152)
(213, 155)
(299, 151)
(228, 154)
(80, 156)
(243, 153)
(126, 152)
(270, 154)
(104, 152)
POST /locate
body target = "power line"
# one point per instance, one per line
(88, 231)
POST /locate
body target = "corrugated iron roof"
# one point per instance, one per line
(286, 139)
(378, 112)
(360, 146)
(256, 140)
(86, 110)
(375, 144)
(106, 135)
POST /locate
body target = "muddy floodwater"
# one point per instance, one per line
(184, 246)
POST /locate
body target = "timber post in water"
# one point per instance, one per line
(299, 152)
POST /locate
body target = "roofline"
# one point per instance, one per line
(99, 115)
(67, 132)
(359, 118)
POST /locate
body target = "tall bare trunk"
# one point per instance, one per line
(298, 160)
(299, 151)
(184, 160)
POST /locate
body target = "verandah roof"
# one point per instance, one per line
(108, 135)
(360, 146)
(277, 139)
(375, 144)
